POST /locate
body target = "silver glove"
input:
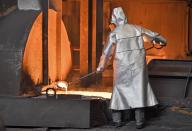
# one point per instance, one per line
(99, 70)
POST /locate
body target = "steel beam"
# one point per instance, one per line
(45, 7)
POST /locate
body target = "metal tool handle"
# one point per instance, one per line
(187, 83)
(74, 81)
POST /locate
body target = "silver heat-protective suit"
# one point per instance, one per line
(131, 87)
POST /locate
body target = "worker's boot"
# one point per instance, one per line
(140, 118)
(116, 117)
(127, 115)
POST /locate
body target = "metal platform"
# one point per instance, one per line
(76, 112)
(171, 79)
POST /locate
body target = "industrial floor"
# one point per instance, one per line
(176, 117)
(168, 119)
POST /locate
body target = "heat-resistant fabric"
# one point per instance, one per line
(131, 87)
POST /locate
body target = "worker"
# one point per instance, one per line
(131, 87)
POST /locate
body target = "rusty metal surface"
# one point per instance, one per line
(14, 30)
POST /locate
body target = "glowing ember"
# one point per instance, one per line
(91, 93)
(106, 95)
(50, 91)
(62, 84)
(61, 87)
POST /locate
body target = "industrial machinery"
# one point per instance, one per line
(170, 80)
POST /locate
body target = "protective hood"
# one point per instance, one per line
(118, 16)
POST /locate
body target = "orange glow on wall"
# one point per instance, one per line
(57, 42)
(167, 17)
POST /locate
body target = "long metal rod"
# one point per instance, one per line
(187, 82)
(83, 77)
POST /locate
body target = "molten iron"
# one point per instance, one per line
(62, 85)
